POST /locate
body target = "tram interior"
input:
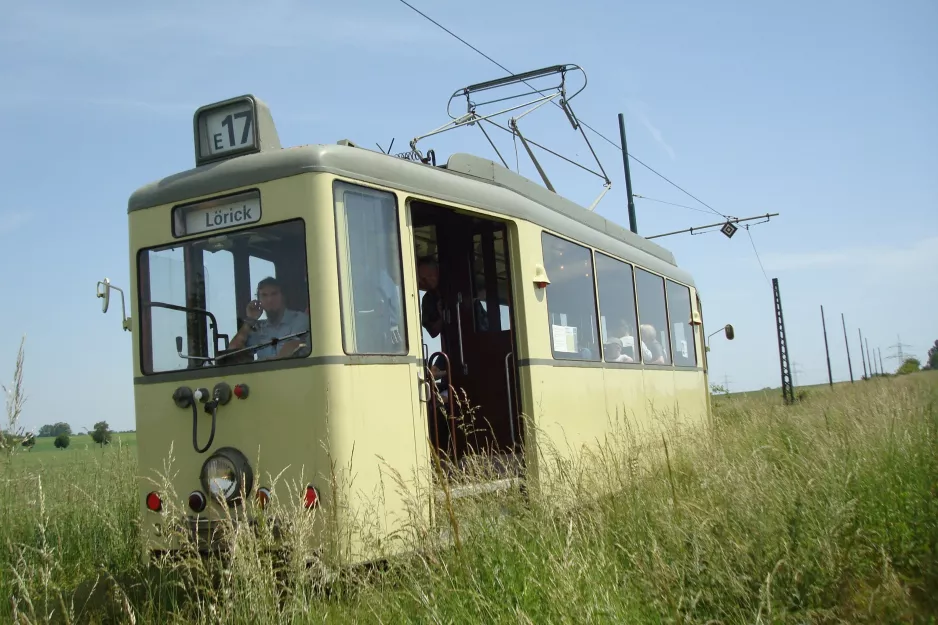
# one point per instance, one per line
(473, 416)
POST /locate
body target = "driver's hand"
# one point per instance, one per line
(254, 310)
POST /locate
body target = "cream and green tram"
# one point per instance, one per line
(280, 304)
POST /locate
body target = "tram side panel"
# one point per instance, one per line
(380, 423)
(565, 395)
(690, 378)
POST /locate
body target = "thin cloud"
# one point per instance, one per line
(639, 110)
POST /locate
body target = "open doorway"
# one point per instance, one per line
(464, 272)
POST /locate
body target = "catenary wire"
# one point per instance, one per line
(580, 120)
(757, 254)
(651, 199)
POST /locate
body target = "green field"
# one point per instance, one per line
(775, 392)
(821, 512)
(44, 451)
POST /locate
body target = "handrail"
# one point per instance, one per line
(452, 393)
(511, 415)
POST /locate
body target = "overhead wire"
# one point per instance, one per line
(757, 254)
(580, 120)
(605, 138)
(651, 199)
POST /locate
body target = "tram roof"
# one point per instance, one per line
(464, 179)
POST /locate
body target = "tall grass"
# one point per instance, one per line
(821, 512)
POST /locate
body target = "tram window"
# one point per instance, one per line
(571, 299)
(178, 283)
(616, 309)
(653, 318)
(220, 290)
(679, 312)
(370, 270)
(483, 287)
(167, 283)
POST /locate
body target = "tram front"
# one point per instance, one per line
(227, 259)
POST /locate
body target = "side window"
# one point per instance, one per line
(486, 291)
(617, 322)
(571, 299)
(369, 254)
(679, 312)
(653, 319)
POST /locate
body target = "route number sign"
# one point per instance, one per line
(227, 129)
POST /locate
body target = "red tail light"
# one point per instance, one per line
(154, 502)
(311, 500)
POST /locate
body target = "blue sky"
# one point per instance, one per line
(823, 112)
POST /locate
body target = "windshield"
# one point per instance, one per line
(225, 299)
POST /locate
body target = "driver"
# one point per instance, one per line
(280, 322)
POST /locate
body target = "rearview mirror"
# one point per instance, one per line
(104, 292)
(728, 330)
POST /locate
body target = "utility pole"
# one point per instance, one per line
(726, 383)
(882, 369)
(847, 344)
(788, 391)
(633, 226)
(830, 376)
(868, 359)
(796, 371)
(862, 355)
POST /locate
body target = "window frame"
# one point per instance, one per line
(664, 293)
(693, 331)
(597, 360)
(632, 267)
(145, 340)
(342, 279)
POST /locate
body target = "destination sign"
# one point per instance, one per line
(217, 214)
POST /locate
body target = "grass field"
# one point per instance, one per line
(821, 512)
(80, 449)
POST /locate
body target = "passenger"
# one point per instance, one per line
(624, 332)
(431, 309)
(652, 350)
(280, 322)
(614, 352)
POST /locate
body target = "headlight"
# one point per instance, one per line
(226, 474)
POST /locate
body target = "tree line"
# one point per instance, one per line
(911, 365)
(62, 432)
